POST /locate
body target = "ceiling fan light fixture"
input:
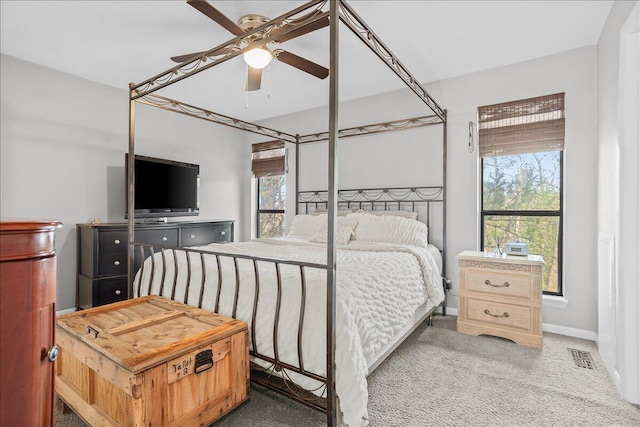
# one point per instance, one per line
(258, 58)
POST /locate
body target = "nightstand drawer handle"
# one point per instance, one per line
(164, 239)
(496, 315)
(222, 233)
(116, 242)
(488, 282)
(116, 262)
(193, 236)
(118, 291)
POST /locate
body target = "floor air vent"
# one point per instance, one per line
(582, 358)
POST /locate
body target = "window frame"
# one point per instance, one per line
(264, 211)
(559, 213)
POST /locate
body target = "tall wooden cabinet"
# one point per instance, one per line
(27, 321)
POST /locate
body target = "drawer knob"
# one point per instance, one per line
(505, 314)
(504, 285)
(116, 262)
(118, 291)
(52, 354)
(116, 242)
(164, 239)
(193, 236)
(223, 233)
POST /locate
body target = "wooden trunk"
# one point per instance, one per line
(151, 362)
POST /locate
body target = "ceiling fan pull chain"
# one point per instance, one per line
(269, 81)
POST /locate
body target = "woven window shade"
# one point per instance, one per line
(268, 159)
(519, 127)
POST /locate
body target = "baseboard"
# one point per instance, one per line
(569, 332)
(451, 311)
(67, 311)
(547, 327)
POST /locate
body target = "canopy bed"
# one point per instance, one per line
(298, 304)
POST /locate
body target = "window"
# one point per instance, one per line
(268, 164)
(271, 198)
(521, 144)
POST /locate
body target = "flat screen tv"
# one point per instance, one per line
(163, 188)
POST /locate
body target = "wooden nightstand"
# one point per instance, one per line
(501, 295)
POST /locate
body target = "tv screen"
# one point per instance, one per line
(164, 187)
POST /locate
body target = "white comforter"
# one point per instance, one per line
(379, 286)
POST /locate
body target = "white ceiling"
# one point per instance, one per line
(118, 42)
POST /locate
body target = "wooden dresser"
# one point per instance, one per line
(27, 321)
(501, 295)
(102, 253)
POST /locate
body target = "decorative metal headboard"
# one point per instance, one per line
(411, 199)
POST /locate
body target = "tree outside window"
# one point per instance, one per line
(269, 167)
(271, 200)
(521, 201)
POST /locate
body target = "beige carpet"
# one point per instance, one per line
(440, 377)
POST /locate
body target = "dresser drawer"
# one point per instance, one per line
(218, 233)
(506, 316)
(116, 241)
(95, 292)
(167, 237)
(111, 290)
(112, 264)
(113, 241)
(499, 282)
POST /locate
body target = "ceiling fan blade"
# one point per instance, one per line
(213, 13)
(302, 64)
(302, 30)
(254, 77)
(182, 58)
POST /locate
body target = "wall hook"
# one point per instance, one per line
(470, 146)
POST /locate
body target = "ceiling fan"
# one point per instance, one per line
(259, 58)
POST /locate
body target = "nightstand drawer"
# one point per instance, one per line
(507, 316)
(498, 282)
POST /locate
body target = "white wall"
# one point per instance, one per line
(63, 140)
(62, 155)
(401, 158)
(572, 72)
(618, 188)
(374, 161)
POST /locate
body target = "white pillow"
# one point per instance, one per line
(306, 225)
(390, 229)
(323, 211)
(404, 214)
(344, 231)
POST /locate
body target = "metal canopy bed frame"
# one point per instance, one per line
(294, 20)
